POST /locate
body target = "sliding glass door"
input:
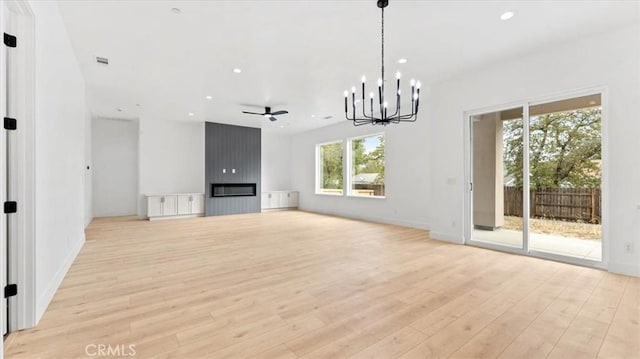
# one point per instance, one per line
(497, 175)
(535, 179)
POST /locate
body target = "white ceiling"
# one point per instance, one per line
(299, 55)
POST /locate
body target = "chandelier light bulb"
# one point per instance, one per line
(346, 93)
(364, 79)
(415, 96)
(385, 104)
(412, 82)
(398, 75)
(379, 82)
(418, 84)
(353, 89)
(371, 95)
(399, 92)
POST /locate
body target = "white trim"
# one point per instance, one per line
(162, 218)
(361, 196)
(397, 222)
(22, 273)
(526, 180)
(624, 268)
(446, 237)
(54, 284)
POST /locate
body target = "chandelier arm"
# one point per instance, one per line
(409, 118)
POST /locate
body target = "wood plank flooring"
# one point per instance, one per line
(301, 285)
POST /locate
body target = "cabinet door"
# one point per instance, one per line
(170, 206)
(184, 204)
(154, 206)
(264, 200)
(197, 204)
(283, 200)
(274, 200)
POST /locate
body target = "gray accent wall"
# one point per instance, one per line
(231, 147)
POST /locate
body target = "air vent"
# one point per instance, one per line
(102, 60)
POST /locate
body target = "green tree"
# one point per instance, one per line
(375, 161)
(331, 155)
(565, 149)
(359, 158)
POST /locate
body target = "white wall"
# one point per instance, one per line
(611, 60)
(426, 163)
(276, 162)
(171, 156)
(115, 167)
(60, 152)
(407, 175)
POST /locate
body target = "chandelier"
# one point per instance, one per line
(382, 106)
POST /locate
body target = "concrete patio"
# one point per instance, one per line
(572, 247)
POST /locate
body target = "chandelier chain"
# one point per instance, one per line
(382, 47)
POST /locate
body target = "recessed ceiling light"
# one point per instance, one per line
(402, 61)
(175, 10)
(191, 114)
(237, 70)
(507, 15)
(313, 116)
(208, 97)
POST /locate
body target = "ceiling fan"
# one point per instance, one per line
(268, 114)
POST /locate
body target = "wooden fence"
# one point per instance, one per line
(569, 204)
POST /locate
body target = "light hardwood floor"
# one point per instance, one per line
(294, 284)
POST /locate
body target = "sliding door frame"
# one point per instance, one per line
(468, 172)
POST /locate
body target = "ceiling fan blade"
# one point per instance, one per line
(282, 112)
(253, 113)
(272, 118)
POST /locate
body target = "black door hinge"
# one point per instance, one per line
(10, 290)
(10, 40)
(10, 123)
(10, 207)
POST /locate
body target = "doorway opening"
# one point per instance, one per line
(536, 179)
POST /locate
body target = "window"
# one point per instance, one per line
(367, 166)
(330, 173)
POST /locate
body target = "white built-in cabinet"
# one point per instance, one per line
(175, 205)
(279, 200)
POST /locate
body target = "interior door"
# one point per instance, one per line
(5, 163)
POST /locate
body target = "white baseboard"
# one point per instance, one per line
(624, 268)
(46, 297)
(397, 222)
(176, 217)
(446, 237)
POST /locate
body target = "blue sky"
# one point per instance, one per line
(370, 144)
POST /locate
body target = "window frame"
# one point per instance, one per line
(318, 175)
(349, 168)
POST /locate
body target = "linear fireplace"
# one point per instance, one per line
(233, 189)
